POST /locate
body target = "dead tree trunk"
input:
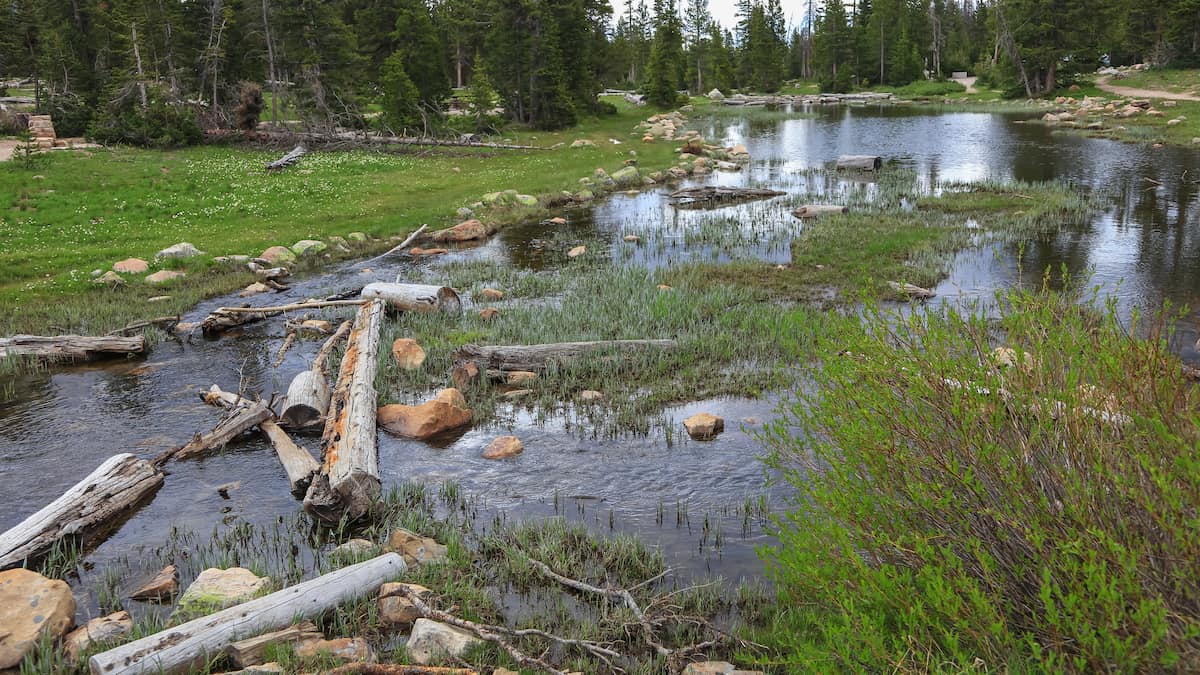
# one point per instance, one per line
(415, 297)
(349, 479)
(308, 395)
(818, 210)
(71, 347)
(182, 648)
(297, 463)
(539, 357)
(120, 483)
(228, 429)
(860, 162)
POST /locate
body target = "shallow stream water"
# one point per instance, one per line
(1143, 248)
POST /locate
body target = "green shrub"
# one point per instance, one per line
(71, 114)
(161, 124)
(931, 88)
(957, 513)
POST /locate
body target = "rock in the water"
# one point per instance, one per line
(590, 395)
(432, 641)
(703, 426)
(489, 313)
(557, 221)
(131, 266)
(347, 649)
(515, 394)
(408, 353)
(417, 550)
(308, 247)
(418, 252)
(448, 410)
(464, 231)
(316, 326)
(217, 588)
(491, 294)
(180, 250)
(632, 238)
(162, 586)
(396, 609)
(254, 289)
(576, 252)
(97, 631)
(31, 607)
(278, 255)
(503, 446)
(163, 276)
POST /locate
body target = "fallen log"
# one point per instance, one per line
(118, 484)
(539, 357)
(710, 194)
(349, 479)
(860, 162)
(415, 297)
(402, 245)
(251, 651)
(818, 210)
(307, 401)
(289, 159)
(226, 430)
(187, 646)
(71, 347)
(350, 139)
(910, 291)
(224, 318)
(138, 325)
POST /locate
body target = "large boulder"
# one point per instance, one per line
(448, 410)
(32, 607)
(180, 250)
(278, 255)
(627, 176)
(432, 641)
(716, 95)
(308, 247)
(464, 231)
(131, 266)
(216, 588)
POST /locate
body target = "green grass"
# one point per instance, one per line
(83, 211)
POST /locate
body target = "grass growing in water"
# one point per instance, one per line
(957, 513)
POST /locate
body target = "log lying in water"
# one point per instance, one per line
(539, 357)
(711, 194)
(224, 318)
(910, 291)
(308, 395)
(415, 297)
(71, 347)
(243, 420)
(818, 210)
(349, 479)
(860, 162)
(297, 463)
(118, 484)
(182, 648)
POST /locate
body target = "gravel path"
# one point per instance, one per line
(1134, 92)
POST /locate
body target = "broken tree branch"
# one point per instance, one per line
(539, 357)
(402, 245)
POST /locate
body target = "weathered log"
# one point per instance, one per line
(224, 318)
(226, 430)
(288, 159)
(118, 484)
(353, 139)
(307, 400)
(860, 162)
(322, 356)
(910, 291)
(709, 194)
(397, 669)
(251, 651)
(298, 464)
(818, 210)
(402, 245)
(71, 347)
(138, 325)
(539, 357)
(180, 648)
(349, 479)
(415, 297)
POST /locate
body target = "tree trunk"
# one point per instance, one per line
(188, 646)
(818, 210)
(860, 162)
(297, 463)
(71, 347)
(137, 56)
(252, 651)
(225, 431)
(539, 357)
(415, 297)
(349, 480)
(307, 400)
(120, 483)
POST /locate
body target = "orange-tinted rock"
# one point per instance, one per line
(703, 426)
(464, 231)
(504, 446)
(448, 410)
(408, 353)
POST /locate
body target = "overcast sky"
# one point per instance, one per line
(723, 11)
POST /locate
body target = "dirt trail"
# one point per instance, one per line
(1134, 92)
(7, 147)
(968, 82)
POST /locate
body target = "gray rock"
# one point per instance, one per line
(180, 250)
(431, 641)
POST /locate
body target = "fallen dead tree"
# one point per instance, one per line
(860, 162)
(539, 357)
(117, 485)
(71, 347)
(909, 291)
(163, 321)
(402, 245)
(818, 210)
(224, 318)
(415, 297)
(308, 394)
(187, 646)
(348, 482)
(289, 159)
(243, 419)
(713, 194)
(298, 463)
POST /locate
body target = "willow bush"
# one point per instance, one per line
(1005, 490)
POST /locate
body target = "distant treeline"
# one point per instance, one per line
(327, 62)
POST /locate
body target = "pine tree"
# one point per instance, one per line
(664, 73)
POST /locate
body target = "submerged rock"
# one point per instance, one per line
(448, 410)
(703, 426)
(32, 607)
(432, 641)
(503, 446)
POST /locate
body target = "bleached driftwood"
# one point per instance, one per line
(288, 159)
(402, 245)
(539, 357)
(910, 291)
(298, 463)
(348, 482)
(118, 484)
(860, 162)
(307, 400)
(415, 297)
(187, 646)
(251, 651)
(71, 347)
(224, 318)
(243, 420)
(818, 210)
(709, 194)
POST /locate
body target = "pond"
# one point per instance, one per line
(704, 504)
